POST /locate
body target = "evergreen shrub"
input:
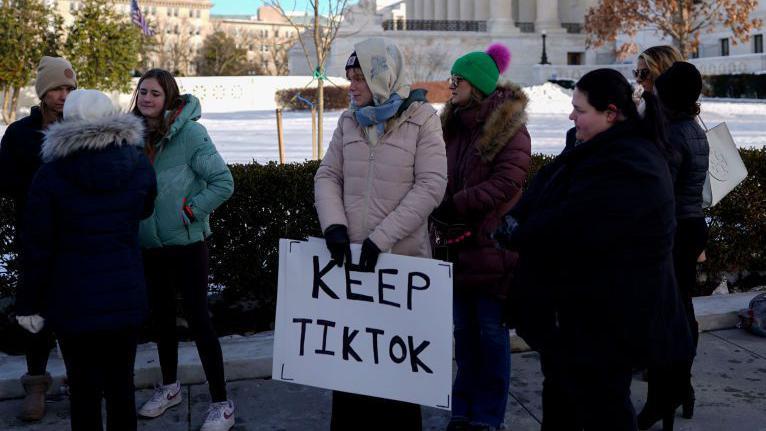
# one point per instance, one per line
(272, 202)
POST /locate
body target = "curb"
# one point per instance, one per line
(250, 357)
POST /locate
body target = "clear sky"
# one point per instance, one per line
(249, 7)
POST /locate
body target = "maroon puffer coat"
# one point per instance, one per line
(488, 155)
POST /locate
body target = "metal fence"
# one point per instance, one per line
(434, 25)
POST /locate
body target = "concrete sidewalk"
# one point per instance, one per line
(250, 357)
(729, 376)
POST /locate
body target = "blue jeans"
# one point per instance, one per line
(483, 356)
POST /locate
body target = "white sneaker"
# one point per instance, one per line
(164, 397)
(220, 417)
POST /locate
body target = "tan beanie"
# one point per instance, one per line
(54, 72)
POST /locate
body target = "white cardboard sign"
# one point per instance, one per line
(386, 334)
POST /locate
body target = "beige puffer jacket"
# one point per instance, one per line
(384, 188)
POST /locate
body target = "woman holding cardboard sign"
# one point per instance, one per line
(488, 154)
(384, 172)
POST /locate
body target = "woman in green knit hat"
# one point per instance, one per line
(488, 154)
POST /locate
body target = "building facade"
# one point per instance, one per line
(267, 37)
(180, 26)
(433, 33)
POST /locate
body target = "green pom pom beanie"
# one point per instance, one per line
(483, 69)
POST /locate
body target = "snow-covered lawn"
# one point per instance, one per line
(242, 137)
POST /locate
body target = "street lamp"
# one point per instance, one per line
(544, 57)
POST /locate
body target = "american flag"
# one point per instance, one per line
(138, 18)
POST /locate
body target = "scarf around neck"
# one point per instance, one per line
(378, 115)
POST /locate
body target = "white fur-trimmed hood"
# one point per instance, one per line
(69, 136)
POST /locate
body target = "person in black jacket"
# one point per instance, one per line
(594, 291)
(678, 89)
(19, 161)
(84, 273)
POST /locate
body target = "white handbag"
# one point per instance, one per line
(725, 169)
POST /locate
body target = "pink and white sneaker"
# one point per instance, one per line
(220, 417)
(164, 397)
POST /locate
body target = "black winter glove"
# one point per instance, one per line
(504, 232)
(336, 238)
(369, 257)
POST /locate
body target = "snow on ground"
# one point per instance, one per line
(245, 136)
(242, 137)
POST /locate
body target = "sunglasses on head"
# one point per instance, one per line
(641, 74)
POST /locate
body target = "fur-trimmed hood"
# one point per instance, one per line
(102, 154)
(70, 136)
(500, 116)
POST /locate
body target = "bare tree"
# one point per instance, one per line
(275, 55)
(174, 50)
(269, 54)
(681, 20)
(428, 62)
(323, 31)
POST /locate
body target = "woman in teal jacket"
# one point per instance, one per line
(192, 181)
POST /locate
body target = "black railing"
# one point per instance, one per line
(526, 27)
(434, 25)
(572, 27)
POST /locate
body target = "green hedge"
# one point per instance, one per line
(273, 201)
(737, 86)
(334, 97)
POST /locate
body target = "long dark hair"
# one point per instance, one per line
(172, 102)
(604, 87)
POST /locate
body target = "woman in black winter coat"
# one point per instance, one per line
(595, 292)
(678, 89)
(84, 271)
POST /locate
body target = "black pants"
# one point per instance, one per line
(100, 365)
(38, 348)
(669, 385)
(690, 241)
(184, 269)
(351, 412)
(593, 397)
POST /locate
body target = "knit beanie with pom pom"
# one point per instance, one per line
(483, 69)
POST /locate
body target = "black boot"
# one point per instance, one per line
(687, 408)
(662, 400)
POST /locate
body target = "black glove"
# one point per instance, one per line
(504, 232)
(336, 237)
(369, 257)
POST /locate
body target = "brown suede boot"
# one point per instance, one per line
(33, 407)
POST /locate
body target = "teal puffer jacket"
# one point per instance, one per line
(189, 169)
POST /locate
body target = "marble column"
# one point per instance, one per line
(453, 10)
(410, 9)
(548, 16)
(428, 9)
(440, 10)
(418, 9)
(481, 11)
(501, 17)
(466, 10)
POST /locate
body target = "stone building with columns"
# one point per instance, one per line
(433, 33)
